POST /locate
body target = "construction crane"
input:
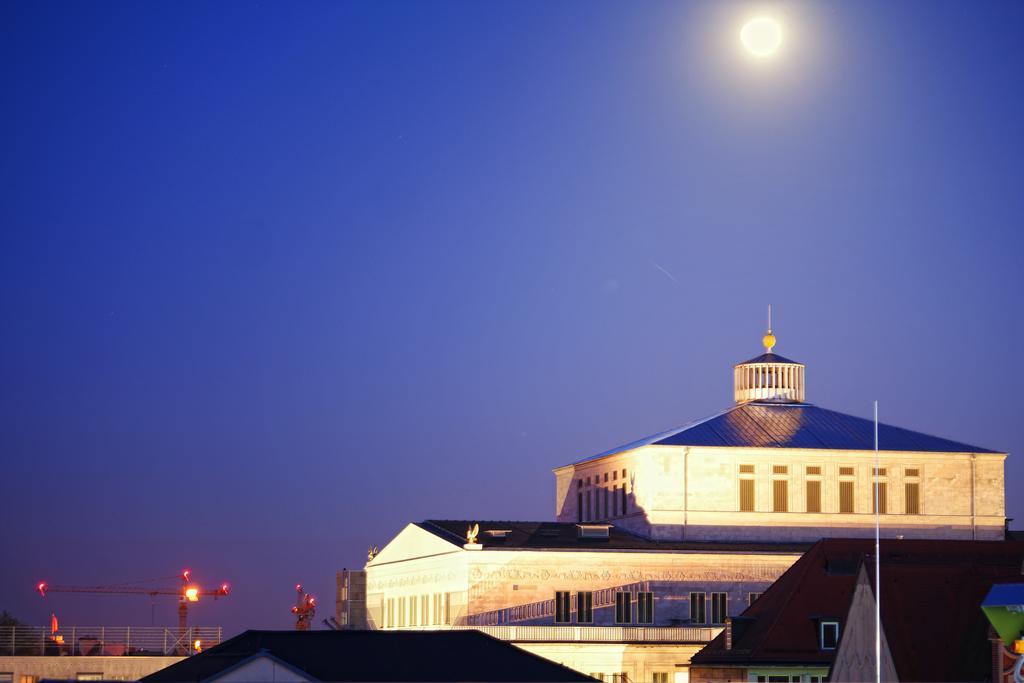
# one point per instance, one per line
(304, 610)
(186, 593)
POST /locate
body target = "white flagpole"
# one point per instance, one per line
(878, 565)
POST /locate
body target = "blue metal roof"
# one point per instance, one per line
(770, 358)
(796, 425)
(1003, 594)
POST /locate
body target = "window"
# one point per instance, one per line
(623, 474)
(752, 598)
(659, 677)
(780, 495)
(912, 472)
(579, 507)
(719, 607)
(813, 495)
(585, 608)
(605, 499)
(624, 499)
(623, 608)
(878, 471)
(913, 498)
(746, 469)
(606, 477)
(746, 495)
(829, 635)
(845, 471)
(588, 517)
(879, 504)
(615, 500)
(563, 613)
(401, 611)
(814, 470)
(615, 475)
(780, 469)
(846, 497)
(89, 676)
(446, 609)
(697, 614)
(645, 607)
(424, 609)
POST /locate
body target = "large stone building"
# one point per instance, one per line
(591, 596)
(775, 468)
(658, 541)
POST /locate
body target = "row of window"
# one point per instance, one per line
(812, 498)
(597, 479)
(583, 606)
(417, 610)
(601, 503)
(624, 613)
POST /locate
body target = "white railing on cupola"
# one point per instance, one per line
(769, 382)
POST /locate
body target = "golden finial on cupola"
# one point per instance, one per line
(769, 339)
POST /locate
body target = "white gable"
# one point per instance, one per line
(413, 542)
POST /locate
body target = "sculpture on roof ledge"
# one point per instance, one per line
(372, 553)
(471, 534)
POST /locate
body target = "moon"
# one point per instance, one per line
(761, 36)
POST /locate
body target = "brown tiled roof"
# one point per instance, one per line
(931, 597)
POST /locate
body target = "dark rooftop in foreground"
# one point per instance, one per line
(376, 656)
(566, 536)
(795, 425)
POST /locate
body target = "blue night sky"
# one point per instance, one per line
(278, 278)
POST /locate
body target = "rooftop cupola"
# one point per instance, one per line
(769, 377)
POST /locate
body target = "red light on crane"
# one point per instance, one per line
(42, 588)
(224, 588)
(298, 586)
(185, 573)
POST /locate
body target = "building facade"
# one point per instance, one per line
(775, 468)
(657, 543)
(601, 600)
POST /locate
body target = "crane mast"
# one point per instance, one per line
(304, 609)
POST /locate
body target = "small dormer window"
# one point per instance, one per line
(593, 530)
(829, 634)
(498, 533)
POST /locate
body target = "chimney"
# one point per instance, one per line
(728, 633)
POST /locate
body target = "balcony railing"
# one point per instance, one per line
(601, 634)
(109, 641)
